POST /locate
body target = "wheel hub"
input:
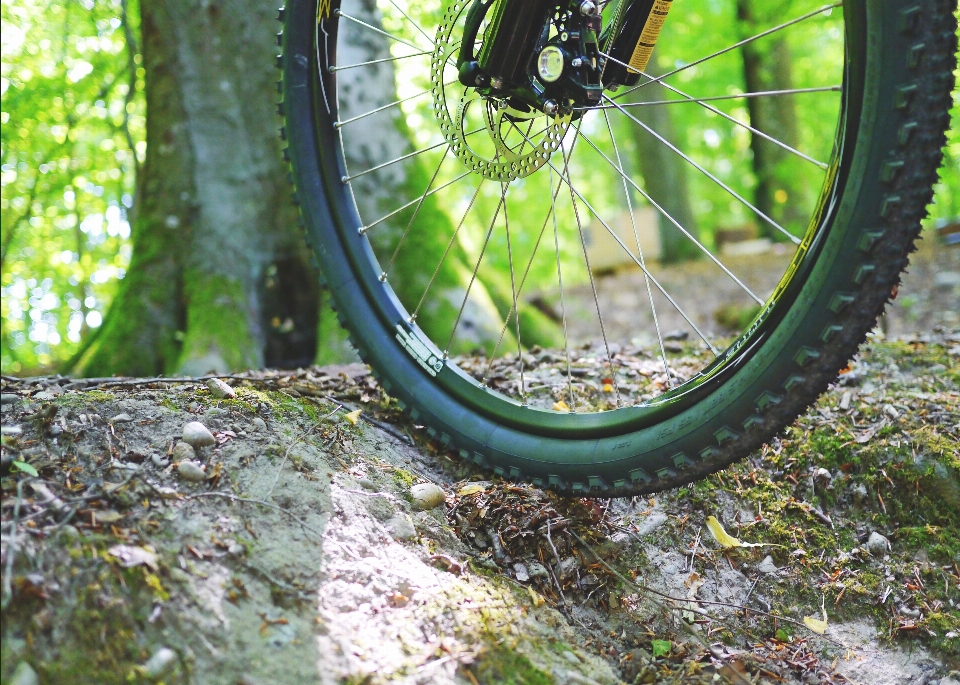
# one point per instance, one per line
(499, 138)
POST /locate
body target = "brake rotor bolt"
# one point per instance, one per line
(550, 107)
(588, 8)
(496, 82)
(576, 62)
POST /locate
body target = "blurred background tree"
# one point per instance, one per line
(146, 220)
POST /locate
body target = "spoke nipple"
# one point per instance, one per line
(362, 230)
(588, 8)
(344, 179)
(336, 12)
(383, 277)
(332, 69)
(336, 124)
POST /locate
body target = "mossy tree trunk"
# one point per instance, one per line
(767, 66)
(384, 136)
(219, 278)
(664, 171)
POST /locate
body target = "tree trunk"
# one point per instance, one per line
(219, 277)
(767, 66)
(384, 136)
(664, 171)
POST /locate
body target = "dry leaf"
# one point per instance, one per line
(470, 489)
(561, 406)
(534, 597)
(353, 416)
(129, 556)
(815, 624)
(108, 516)
(728, 541)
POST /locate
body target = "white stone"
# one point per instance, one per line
(184, 452)
(197, 435)
(877, 544)
(427, 496)
(159, 663)
(220, 389)
(191, 471)
(401, 528)
(767, 565)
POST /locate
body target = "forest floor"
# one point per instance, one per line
(310, 543)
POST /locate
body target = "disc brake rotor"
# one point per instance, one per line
(522, 142)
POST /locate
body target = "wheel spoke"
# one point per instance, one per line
(364, 229)
(338, 13)
(713, 98)
(513, 289)
(523, 280)
(415, 24)
(744, 201)
(627, 179)
(453, 239)
(643, 267)
(333, 68)
(725, 50)
(726, 116)
(473, 276)
(413, 219)
(341, 124)
(565, 177)
(636, 235)
(347, 179)
(563, 308)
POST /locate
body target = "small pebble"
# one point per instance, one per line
(521, 571)
(8, 398)
(427, 496)
(24, 675)
(891, 411)
(767, 565)
(259, 424)
(183, 452)
(401, 528)
(220, 389)
(845, 400)
(197, 435)
(191, 471)
(170, 493)
(860, 492)
(877, 544)
(160, 462)
(674, 347)
(367, 484)
(121, 418)
(159, 663)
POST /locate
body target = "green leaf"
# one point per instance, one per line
(660, 648)
(26, 468)
(782, 635)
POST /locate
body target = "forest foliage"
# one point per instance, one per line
(73, 139)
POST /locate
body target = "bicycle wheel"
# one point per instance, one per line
(398, 168)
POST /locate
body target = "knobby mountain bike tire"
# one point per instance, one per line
(899, 58)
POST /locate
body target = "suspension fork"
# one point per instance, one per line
(513, 61)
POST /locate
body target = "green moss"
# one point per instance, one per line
(500, 665)
(218, 336)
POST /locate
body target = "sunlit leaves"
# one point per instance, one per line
(67, 172)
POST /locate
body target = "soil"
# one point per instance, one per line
(303, 554)
(929, 297)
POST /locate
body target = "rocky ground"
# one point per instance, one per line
(282, 527)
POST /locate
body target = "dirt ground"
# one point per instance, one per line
(309, 532)
(928, 298)
(299, 546)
